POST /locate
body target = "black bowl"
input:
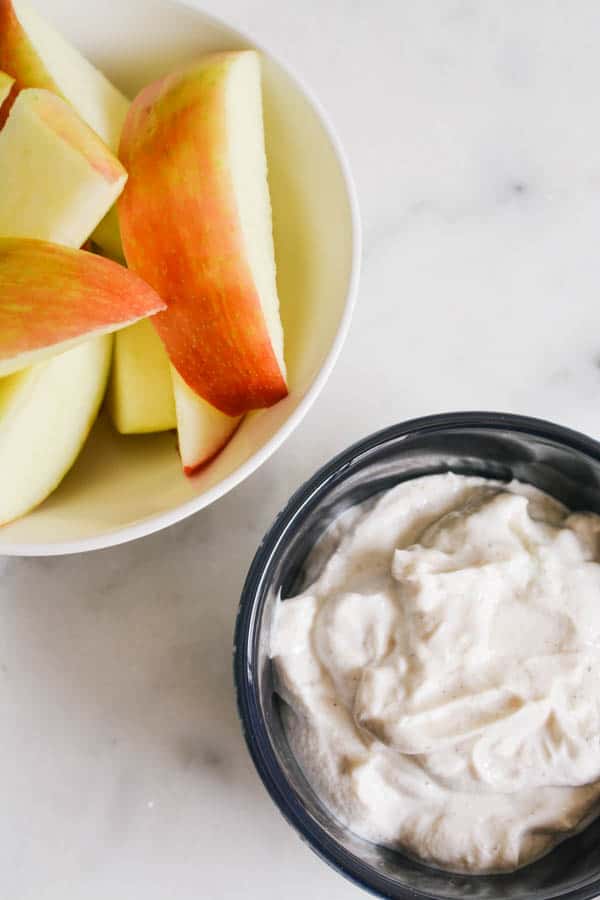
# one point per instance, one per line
(557, 460)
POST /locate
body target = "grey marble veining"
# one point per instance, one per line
(473, 132)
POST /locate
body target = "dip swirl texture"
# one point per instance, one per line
(442, 672)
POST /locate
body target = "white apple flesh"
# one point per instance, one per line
(202, 430)
(46, 413)
(197, 193)
(60, 179)
(40, 57)
(140, 398)
(195, 220)
(37, 56)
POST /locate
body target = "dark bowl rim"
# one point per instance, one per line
(254, 728)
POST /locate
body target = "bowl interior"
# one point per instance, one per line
(120, 486)
(570, 473)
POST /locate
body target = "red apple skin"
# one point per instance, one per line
(181, 233)
(19, 58)
(50, 294)
(7, 94)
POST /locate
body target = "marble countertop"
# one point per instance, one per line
(472, 128)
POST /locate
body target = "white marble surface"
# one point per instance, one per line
(474, 135)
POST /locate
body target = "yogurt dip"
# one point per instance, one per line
(441, 675)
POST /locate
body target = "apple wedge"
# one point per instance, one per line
(67, 183)
(52, 297)
(202, 430)
(6, 86)
(41, 58)
(51, 153)
(60, 179)
(140, 398)
(37, 56)
(195, 220)
(46, 413)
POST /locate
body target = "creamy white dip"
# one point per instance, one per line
(442, 673)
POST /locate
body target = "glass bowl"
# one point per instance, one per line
(561, 462)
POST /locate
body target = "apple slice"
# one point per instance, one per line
(141, 393)
(37, 56)
(60, 178)
(195, 221)
(202, 429)
(41, 58)
(6, 86)
(46, 413)
(52, 297)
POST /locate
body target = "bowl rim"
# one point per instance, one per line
(154, 523)
(254, 728)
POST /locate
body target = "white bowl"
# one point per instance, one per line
(122, 488)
